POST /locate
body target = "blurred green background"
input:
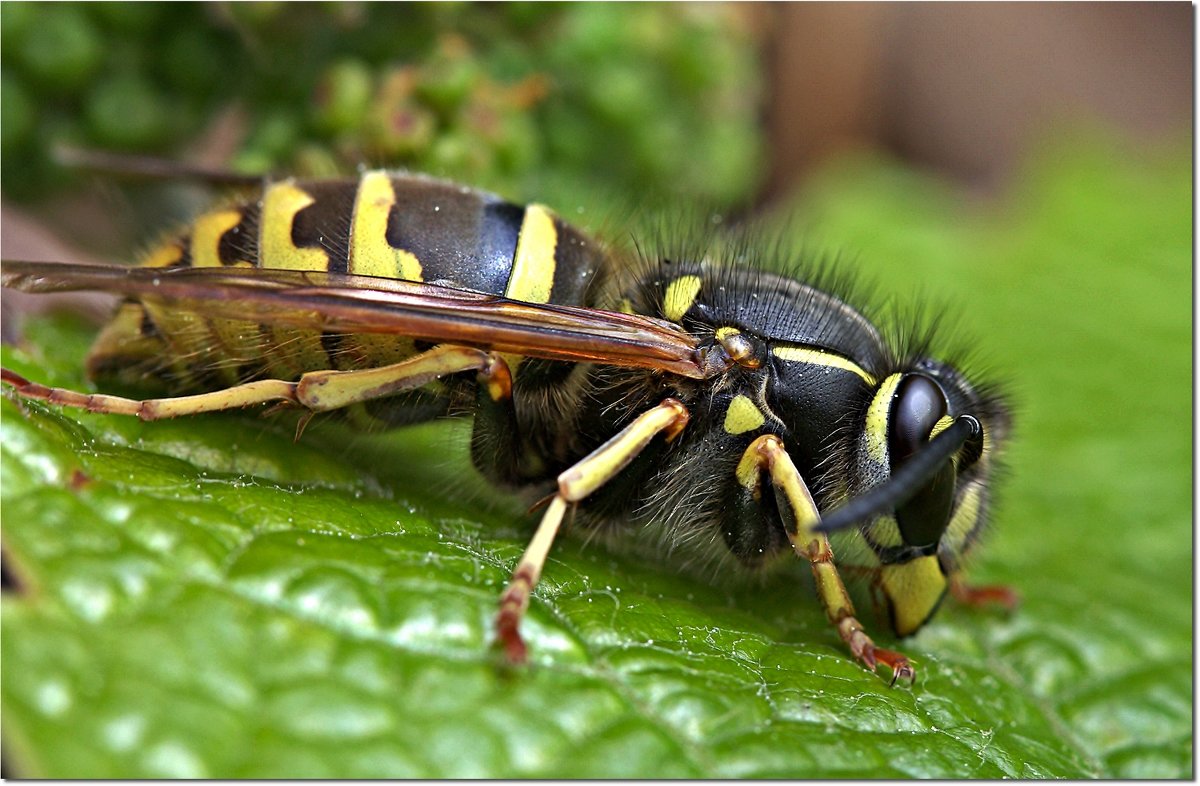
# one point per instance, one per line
(518, 97)
(179, 608)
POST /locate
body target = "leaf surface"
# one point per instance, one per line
(206, 598)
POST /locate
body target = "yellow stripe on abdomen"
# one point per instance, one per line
(281, 202)
(206, 236)
(370, 252)
(532, 276)
(164, 256)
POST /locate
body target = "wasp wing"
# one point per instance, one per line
(365, 304)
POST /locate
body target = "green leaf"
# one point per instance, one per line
(207, 598)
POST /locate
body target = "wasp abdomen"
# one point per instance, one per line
(382, 224)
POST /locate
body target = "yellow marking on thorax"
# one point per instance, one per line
(819, 357)
(679, 297)
(532, 276)
(206, 236)
(877, 420)
(370, 252)
(726, 332)
(914, 588)
(742, 416)
(281, 202)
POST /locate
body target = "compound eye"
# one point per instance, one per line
(918, 406)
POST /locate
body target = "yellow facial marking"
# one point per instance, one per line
(886, 532)
(944, 422)
(742, 416)
(818, 357)
(680, 295)
(281, 202)
(914, 590)
(532, 275)
(726, 332)
(206, 236)
(877, 420)
(370, 253)
(964, 520)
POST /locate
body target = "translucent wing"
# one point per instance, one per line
(365, 304)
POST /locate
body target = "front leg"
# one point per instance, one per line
(767, 456)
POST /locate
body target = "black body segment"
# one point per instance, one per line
(461, 237)
(324, 224)
(238, 245)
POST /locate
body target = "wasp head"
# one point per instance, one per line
(919, 482)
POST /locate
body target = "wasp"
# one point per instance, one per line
(740, 411)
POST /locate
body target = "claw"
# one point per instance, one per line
(898, 663)
(871, 656)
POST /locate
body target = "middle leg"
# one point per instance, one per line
(574, 485)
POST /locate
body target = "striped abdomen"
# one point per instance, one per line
(383, 224)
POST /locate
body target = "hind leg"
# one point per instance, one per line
(317, 391)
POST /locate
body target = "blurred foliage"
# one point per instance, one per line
(207, 598)
(525, 98)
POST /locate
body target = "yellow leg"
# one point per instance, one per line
(768, 455)
(317, 391)
(326, 390)
(575, 484)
